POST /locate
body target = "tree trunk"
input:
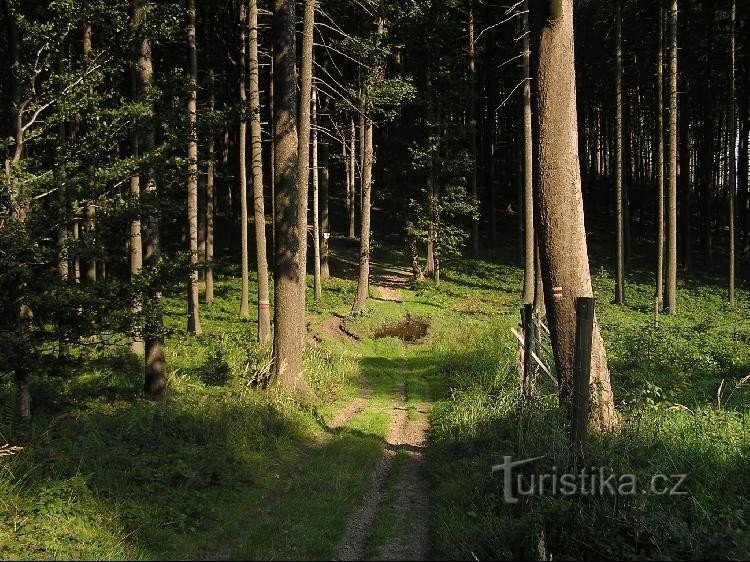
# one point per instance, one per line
(316, 198)
(210, 199)
(559, 203)
(194, 320)
(89, 220)
(155, 386)
(259, 210)
(242, 176)
(289, 270)
(473, 132)
(670, 290)
(660, 164)
(528, 165)
(620, 253)
(353, 180)
(732, 154)
(136, 240)
(363, 283)
(325, 226)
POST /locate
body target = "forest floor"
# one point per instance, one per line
(416, 399)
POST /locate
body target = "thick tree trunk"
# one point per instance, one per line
(242, 176)
(194, 320)
(620, 252)
(289, 270)
(670, 290)
(259, 209)
(528, 165)
(155, 386)
(559, 203)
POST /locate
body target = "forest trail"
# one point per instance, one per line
(388, 278)
(391, 522)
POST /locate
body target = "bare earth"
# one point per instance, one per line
(411, 509)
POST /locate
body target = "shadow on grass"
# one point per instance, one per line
(220, 473)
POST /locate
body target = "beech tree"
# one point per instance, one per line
(558, 198)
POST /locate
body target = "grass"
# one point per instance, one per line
(221, 470)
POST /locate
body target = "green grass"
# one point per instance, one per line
(220, 469)
(665, 379)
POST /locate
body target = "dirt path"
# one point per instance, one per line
(408, 540)
(389, 279)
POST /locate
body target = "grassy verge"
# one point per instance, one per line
(683, 407)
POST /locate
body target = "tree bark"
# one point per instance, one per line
(732, 154)
(210, 198)
(620, 253)
(316, 198)
(259, 210)
(289, 270)
(194, 321)
(363, 283)
(559, 204)
(660, 164)
(473, 132)
(242, 176)
(528, 164)
(353, 180)
(670, 290)
(155, 386)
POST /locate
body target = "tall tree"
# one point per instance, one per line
(670, 290)
(210, 196)
(194, 320)
(559, 203)
(527, 162)
(660, 164)
(732, 150)
(375, 77)
(289, 270)
(472, 72)
(316, 198)
(620, 252)
(242, 151)
(155, 386)
(259, 210)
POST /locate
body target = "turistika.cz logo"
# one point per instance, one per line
(588, 481)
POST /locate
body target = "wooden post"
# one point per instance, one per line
(528, 348)
(581, 376)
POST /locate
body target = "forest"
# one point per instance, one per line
(375, 279)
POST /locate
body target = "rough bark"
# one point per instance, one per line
(136, 240)
(210, 199)
(316, 199)
(289, 270)
(660, 164)
(242, 175)
(527, 165)
(363, 282)
(194, 322)
(559, 203)
(732, 154)
(155, 386)
(473, 131)
(352, 180)
(256, 146)
(670, 290)
(620, 250)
